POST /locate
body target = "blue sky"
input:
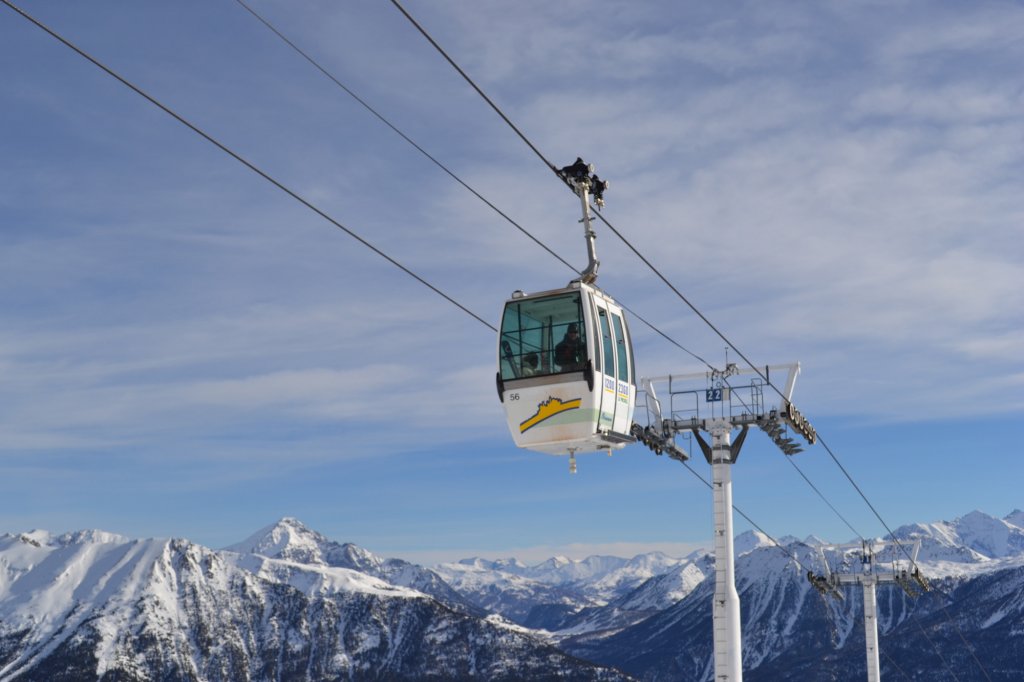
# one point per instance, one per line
(187, 351)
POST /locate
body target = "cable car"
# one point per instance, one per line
(565, 364)
(566, 375)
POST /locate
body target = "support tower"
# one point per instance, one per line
(713, 403)
(868, 575)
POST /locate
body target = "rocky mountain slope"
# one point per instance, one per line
(96, 606)
(970, 626)
(290, 604)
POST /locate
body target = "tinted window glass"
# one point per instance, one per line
(621, 349)
(542, 336)
(606, 342)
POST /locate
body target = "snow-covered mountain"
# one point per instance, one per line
(559, 593)
(92, 606)
(773, 599)
(662, 591)
(521, 599)
(599, 577)
(654, 595)
(961, 545)
(633, 573)
(290, 604)
(561, 570)
(555, 593)
(790, 631)
(657, 582)
(752, 539)
(600, 593)
(662, 628)
(290, 540)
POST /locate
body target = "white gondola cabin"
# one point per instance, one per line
(565, 371)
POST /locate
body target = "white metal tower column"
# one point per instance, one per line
(869, 577)
(871, 629)
(726, 611)
(726, 406)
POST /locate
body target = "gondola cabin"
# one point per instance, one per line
(565, 371)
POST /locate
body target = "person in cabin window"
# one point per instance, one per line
(570, 353)
(530, 362)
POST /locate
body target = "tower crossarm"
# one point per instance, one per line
(872, 573)
(702, 401)
(824, 585)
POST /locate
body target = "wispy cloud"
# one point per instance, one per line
(837, 185)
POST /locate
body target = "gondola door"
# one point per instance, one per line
(617, 395)
(625, 391)
(605, 378)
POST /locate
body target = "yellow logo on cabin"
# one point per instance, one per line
(547, 409)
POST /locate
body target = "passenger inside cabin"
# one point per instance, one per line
(530, 362)
(571, 353)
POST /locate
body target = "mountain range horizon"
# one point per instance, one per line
(745, 541)
(288, 602)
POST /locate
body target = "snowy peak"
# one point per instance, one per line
(476, 562)
(93, 536)
(93, 605)
(973, 538)
(595, 570)
(509, 565)
(751, 540)
(35, 538)
(814, 541)
(559, 586)
(1015, 518)
(42, 538)
(287, 539)
(633, 573)
(992, 537)
(354, 556)
(664, 590)
(290, 540)
(558, 569)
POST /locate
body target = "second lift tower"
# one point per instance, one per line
(868, 574)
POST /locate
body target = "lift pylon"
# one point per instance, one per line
(715, 403)
(869, 576)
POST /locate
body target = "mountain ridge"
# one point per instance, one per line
(289, 603)
(98, 606)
